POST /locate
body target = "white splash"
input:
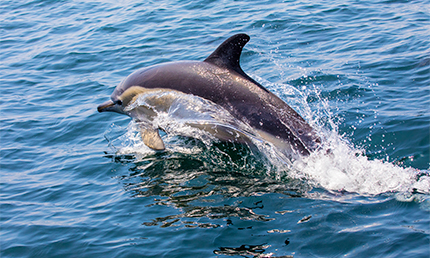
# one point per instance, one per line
(339, 167)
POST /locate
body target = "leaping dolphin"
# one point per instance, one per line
(221, 80)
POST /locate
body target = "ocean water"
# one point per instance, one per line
(78, 183)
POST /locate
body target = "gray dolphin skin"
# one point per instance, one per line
(221, 80)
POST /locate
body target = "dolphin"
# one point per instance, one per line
(220, 80)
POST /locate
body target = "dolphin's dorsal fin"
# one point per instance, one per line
(227, 55)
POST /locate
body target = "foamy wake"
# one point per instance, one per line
(339, 167)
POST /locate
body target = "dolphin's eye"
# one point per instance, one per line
(118, 102)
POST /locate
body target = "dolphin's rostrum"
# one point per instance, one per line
(221, 80)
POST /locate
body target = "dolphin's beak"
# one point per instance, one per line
(107, 106)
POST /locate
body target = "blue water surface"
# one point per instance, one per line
(77, 183)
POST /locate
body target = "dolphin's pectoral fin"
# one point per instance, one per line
(151, 138)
